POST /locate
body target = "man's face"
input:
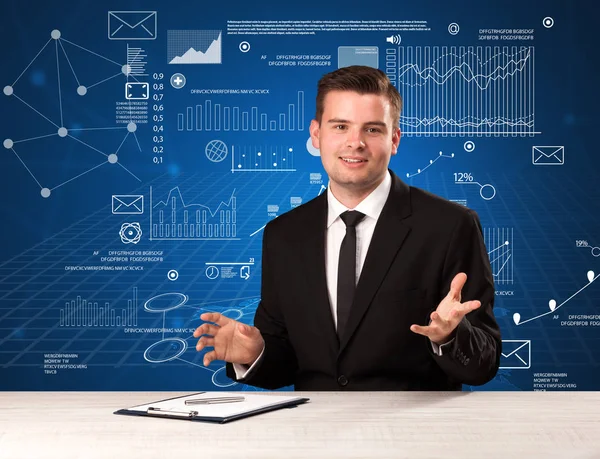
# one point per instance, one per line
(357, 138)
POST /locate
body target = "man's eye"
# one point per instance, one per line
(373, 129)
(340, 127)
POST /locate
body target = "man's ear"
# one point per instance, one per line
(395, 140)
(315, 129)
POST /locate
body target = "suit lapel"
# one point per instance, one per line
(312, 252)
(389, 235)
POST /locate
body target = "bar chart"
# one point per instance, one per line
(81, 312)
(212, 116)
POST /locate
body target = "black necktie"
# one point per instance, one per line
(347, 269)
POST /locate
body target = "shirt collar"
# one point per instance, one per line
(371, 206)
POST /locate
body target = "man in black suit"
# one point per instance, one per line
(365, 287)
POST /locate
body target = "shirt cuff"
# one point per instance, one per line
(243, 371)
(438, 349)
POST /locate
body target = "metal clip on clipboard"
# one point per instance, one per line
(181, 414)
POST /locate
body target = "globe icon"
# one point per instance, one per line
(216, 151)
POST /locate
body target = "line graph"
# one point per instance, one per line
(499, 242)
(552, 306)
(194, 46)
(431, 162)
(467, 91)
(173, 219)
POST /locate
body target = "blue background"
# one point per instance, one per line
(546, 208)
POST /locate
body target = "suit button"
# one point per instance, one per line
(343, 381)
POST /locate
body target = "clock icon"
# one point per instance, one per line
(212, 272)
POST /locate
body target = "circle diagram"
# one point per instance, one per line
(165, 302)
(235, 314)
(487, 192)
(173, 275)
(220, 379)
(165, 350)
(244, 47)
(216, 151)
(311, 149)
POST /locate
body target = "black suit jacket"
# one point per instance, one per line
(419, 244)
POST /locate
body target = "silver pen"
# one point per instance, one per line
(214, 400)
(187, 414)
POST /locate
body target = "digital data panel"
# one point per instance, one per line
(145, 146)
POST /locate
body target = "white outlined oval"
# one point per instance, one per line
(229, 383)
(238, 313)
(168, 359)
(183, 299)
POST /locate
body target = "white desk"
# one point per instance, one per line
(332, 425)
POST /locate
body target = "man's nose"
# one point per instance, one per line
(355, 139)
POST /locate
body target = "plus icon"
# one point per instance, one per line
(178, 81)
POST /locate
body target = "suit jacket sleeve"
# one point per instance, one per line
(473, 357)
(278, 365)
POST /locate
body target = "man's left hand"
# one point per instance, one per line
(448, 314)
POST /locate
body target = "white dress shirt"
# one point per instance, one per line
(371, 206)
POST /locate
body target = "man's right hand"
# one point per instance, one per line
(232, 341)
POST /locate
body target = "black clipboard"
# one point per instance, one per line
(193, 416)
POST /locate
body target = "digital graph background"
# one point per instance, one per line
(479, 113)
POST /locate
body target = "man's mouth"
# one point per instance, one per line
(353, 160)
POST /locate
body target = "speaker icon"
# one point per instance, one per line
(394, 39)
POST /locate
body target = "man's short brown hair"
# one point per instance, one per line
(360, 79)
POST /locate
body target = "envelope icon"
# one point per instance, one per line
(516, 354)
(128, 204)
(132, 25)
(548, 156)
